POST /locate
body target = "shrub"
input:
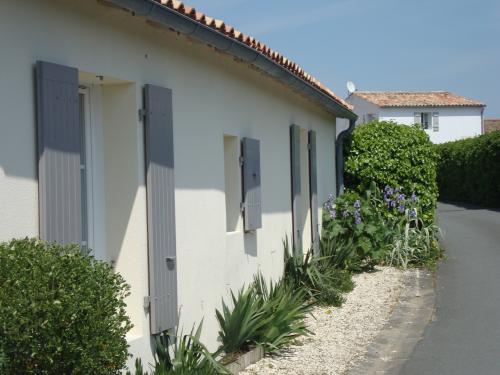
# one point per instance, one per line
(382, 227)
(270, 316)
(61, 311)
(395, 155)
(181, 355)
(469, 170)
(323, 283)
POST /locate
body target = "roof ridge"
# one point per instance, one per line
(220, 26)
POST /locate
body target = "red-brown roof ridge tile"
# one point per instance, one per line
(259, 46)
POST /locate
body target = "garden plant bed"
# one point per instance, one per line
(341, 335)
(245, 359)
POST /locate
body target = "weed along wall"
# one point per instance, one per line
(213, 97)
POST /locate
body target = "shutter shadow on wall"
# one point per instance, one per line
(295, 177)
(161, 208)
(313, 191)
(59, 153)
(250, 149)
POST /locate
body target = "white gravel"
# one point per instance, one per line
(341, 335)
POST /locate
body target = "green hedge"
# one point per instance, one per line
(395, 155)
(61, 311)
(469, 170)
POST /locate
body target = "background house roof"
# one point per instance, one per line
(236, 35)
(491, 125)
(417, 99)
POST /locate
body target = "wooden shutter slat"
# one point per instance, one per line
(59, 132)
(251, 184)
(161, 208)
(435, 121)
(313, 191)
(295, 177)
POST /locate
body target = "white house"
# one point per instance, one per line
(179, 149)
(444, 115)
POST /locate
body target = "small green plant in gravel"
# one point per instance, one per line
(181, 355)
(61, 311)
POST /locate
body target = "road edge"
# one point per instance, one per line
(395, 343)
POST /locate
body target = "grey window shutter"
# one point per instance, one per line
(435, 121)
(161, 208)
(313, 191)
(295, 176)
(417, 118)
(252, 206)
(59, 153)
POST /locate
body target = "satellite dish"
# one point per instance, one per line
(351, 87)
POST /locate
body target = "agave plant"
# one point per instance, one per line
(181, 355)
(284, 313)
(317, 276)
(240, 325)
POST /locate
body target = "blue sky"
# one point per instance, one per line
(413, 45)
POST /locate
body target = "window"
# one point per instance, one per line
(232, 180)
(370, 117)
(426, 120)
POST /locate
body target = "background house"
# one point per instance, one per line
(177, 148)
(444, 115)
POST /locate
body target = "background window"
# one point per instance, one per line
(426, 120)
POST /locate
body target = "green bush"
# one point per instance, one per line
(61, 311)
(383, 227)
(469, 170)
(395, 155)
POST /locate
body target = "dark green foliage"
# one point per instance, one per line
(469, 170)
(284, 313)
(379, 228)
(317, 276)
(271, 316)
(241, 323)
(363, 225)
(61, 311)
(395, 155)
(181, 355)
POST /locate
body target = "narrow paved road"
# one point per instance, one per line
(464, 338)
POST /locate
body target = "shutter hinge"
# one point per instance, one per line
(147, 302)
(242, 206)
(142, 114)
(241, 159)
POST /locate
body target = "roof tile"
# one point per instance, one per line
(417, 99)
(261, 47)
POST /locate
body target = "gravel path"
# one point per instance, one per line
(341, 335)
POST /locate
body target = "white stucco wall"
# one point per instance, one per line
(212, 96)
(454, 122)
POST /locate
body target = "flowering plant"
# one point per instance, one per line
(370, 221)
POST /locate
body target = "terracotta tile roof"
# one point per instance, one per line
(491, 125)
(417, 99)
(258, 46)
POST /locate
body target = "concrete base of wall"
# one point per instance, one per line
(246, 360)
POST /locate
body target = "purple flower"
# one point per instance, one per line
(401, 208)
(413, 197)
(333, 213)
(392, 204)
(357, 217)
(357, 204)
(387, 199)
(413, 213)
(400, 197)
